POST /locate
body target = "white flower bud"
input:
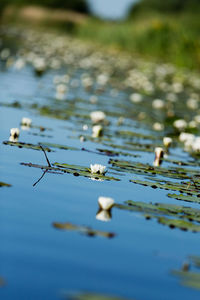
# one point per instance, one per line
(105, 203)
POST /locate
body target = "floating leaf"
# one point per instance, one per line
(184, 198)
(26, 145)
(195, 260)
(183, 187)
(181, 224)
(143, 169)
(71, 169)
(185, 216)
(190, 279)
(92, 296)
(58, 146)
(2, 282)
(4, 184)
(84, 230)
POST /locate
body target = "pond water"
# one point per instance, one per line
(53, 244)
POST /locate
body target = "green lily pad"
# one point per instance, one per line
(185, 217)
(183, 187)
(58, 146)
(184, 198)
(4, 184)
(181, 224)
(26, 146)
(189, 279)
(92, 296)
(83, 230)
(84, 171)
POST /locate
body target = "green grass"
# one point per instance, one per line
(169, 38)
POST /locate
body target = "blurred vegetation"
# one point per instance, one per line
(75, 5)
(160, 30)
(163, 30)
(167, 6)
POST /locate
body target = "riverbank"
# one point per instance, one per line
(158, 37)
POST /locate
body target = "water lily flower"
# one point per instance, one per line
(159, 153)
(106, 203)
(103, 215)
(85, 127)
(158, 104)
(158, 126)
(82, 139)
(26, 122)
(180, 124)
(196, 145)
(39, 65)
(192, 104)
(93, 99)
(97, 169)
(61, 88)
(167, 141)
(97, 116)
(14, 133)
(136, 98)
(97, 131)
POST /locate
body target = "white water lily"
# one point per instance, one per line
(167, 141)
(26, 122)
(196, 145)
(136, 98)
(180, 124)
(105, 203)
(12, 139)
(103, 215)
(97, 131)
(97, 116)
(14, 133)
(158, 126)
(158, 104)
(159, 153)
(184, 136)
(97, 169)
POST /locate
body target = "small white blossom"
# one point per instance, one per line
(93, 99)
(14, 133)
(82, 139)
(102, 79)
(196, 145)
(180, 124)
(158, 126)
(184, 136)
(97, 131)
(26, 122)
(97, 116)
(197, 119)
(159, 153)
(192, 104)
(167, 141)
(61, 88)
(105, 203)
(158, 104)
(97, 169)
(39, 64)
(136, 98)
(85, 127)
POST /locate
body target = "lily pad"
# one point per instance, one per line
(58, 146)
(186, 217)
(189, 279)
(26, 145)
(83, 230)
(4, 184)
(183, 187)
(184, 198)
